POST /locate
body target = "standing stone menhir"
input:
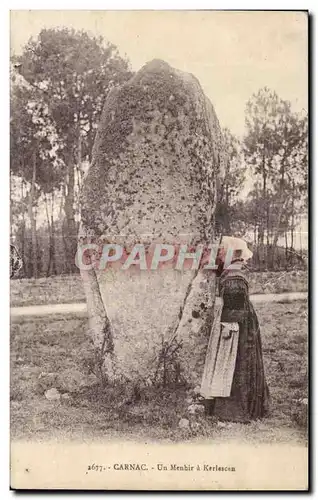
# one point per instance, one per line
(156, 159)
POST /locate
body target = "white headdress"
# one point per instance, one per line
(237, 246)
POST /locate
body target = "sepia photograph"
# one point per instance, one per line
(159, 250)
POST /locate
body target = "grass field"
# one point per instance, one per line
(66, 289)
(61, 348)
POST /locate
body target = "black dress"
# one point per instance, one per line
(249, 396)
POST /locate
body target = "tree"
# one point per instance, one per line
(73, 73)
(231, 181)
(34, 151)
(275, 148)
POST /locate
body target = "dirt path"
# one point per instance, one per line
(80, 309)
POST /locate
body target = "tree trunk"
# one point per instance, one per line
(51, 268)
(282, 206)
(71, 236)
(286, 250)
(293, 216)
(79, 176)
(52, 248)
(33, 221)
(283, 200)
(90, 140)
(49, 230)
(268, 249)
(39, 251)
(23, 225)
(300, 235)
(263, 217)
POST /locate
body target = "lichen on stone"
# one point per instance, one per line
(156, 160)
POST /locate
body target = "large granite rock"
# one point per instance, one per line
(156, 160)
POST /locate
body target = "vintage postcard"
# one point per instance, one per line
(159, 250)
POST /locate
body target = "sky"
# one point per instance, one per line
(233, 54)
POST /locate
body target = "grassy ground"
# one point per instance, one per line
(60, 350)
(65, 289)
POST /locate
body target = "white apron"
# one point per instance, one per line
(220, 358)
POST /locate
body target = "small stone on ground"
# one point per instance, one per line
(52, 394)
(184, 423)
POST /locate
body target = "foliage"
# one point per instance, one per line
(264, 189)
(275, 149)
(231, 181)
(58, 87)
(74, 73)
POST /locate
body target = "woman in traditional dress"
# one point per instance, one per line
(234, 385)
